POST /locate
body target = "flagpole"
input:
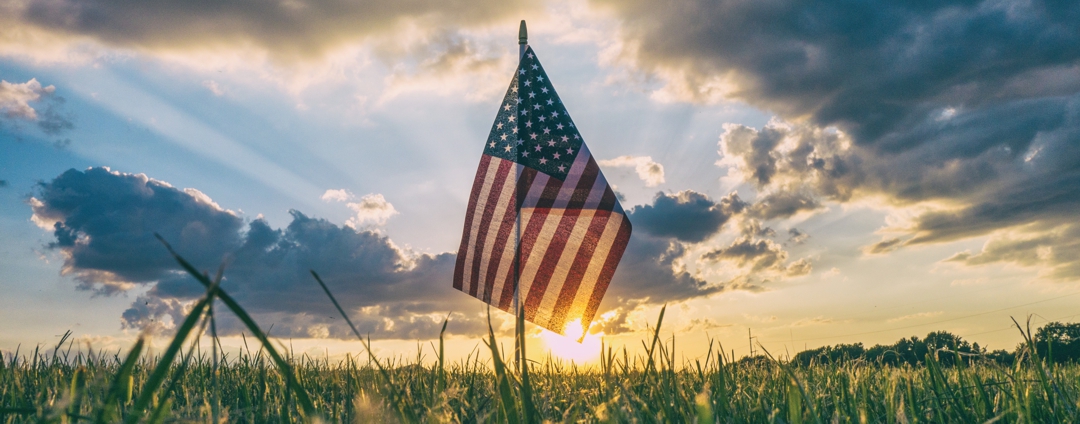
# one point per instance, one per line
(519, 342)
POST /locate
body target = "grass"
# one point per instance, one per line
(185, 384)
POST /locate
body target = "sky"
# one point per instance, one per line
(798, 174)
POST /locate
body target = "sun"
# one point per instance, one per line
(566, 346)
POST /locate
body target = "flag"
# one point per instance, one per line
(572, 229)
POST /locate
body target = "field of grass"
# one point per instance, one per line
(186, 384)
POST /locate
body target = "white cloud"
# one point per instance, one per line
(339, 195)
(214, 87)
(15, 98)
(651, 172)
(372, 208)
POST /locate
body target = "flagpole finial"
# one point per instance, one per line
(523, 34)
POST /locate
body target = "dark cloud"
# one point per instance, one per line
(760, 256)
(970, 104)
(289, 27)
(686, 216)
(104, 224)
(796, 236)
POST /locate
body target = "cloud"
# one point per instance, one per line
(796, 236)
(16, 106)
(687, 216)
(760, 256)
(339, 195)
(372, 208)
(287, 28)
(884, 246)
(1055, 251)
(651, 172)
(969, 107)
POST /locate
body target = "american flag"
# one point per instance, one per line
(573, 230)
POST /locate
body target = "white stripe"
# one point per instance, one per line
(562, 268)
(505, 197)
(478, 215)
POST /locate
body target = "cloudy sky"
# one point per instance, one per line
(813, 172)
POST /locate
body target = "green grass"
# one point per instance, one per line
(185, 384)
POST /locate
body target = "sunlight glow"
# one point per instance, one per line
(566, 347)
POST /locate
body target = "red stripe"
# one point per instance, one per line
(577, 271)
(478, 184)
(485, 222)
(607, 271)
(505, 233)
(528, 239)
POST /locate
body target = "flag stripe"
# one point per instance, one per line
(550, 297)
(505, 217)
(504, 248)
(466, 237)
(531, 224)
(502, 170)
(608, 270)
(591, 244)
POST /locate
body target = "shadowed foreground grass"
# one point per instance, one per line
(263, 385)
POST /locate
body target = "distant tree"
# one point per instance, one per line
(830, 354)
(1058, 342)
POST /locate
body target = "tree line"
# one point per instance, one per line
(1056, 342)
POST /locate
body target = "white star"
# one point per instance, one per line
(543, 161)
(565, 139)
(547, 130)
(502, 137)
(524, 111)
(499, 125)
(562, 168)
(511, 119)
(539, 78)
(533, 136)
(508, 149)
(543, 90)
(522, 72)
(528, 124)
(550, 102)
(492, 144)
(576, 137)
(551, 143)
(571, 125)
(532, 94)
(559, 127)
(530, 55)
(538, 148)
(513, 88)
(525, 154)
(542, 118)
(518, 99)
(515, 131)
(527, 83)
(556, 156)
(519, 142)
(507, 107)
(535, 67)
(536, 107)
(569, 151)
(555, 114)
